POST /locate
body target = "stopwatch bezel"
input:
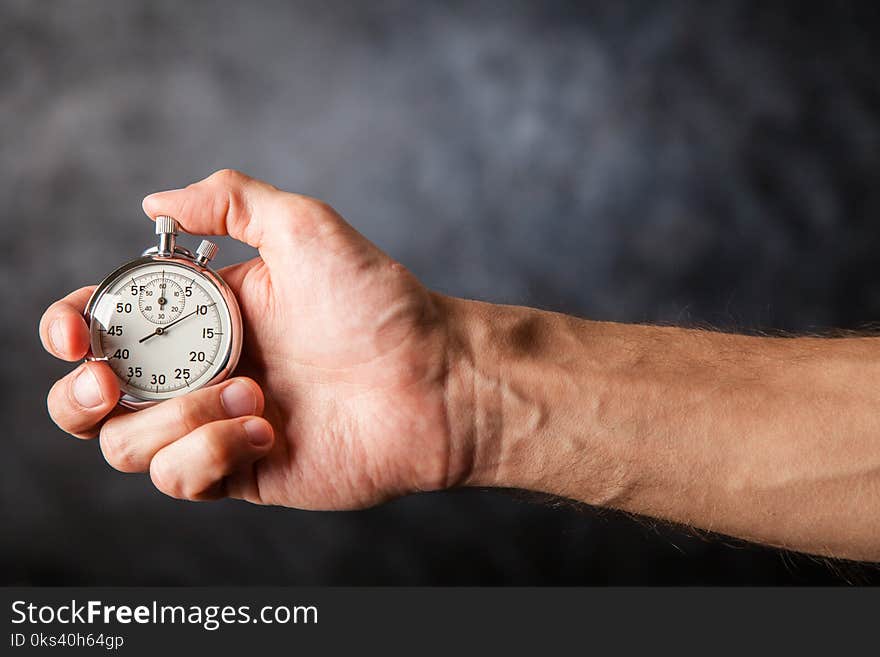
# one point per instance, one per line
(182, 257)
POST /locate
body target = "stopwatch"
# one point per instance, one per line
(165, 322)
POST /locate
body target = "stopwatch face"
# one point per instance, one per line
(164, 329)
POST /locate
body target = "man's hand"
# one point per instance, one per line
(345, 353)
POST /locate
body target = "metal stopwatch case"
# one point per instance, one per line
(165, 323)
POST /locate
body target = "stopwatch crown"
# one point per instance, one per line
(206, 251)
(166, 225)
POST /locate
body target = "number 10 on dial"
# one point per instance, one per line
(165, 323)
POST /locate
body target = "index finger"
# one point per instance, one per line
(249, 210)
(63, 329)
(224, 203)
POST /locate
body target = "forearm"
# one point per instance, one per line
(775, 440)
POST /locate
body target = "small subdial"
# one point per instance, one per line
(161, 300)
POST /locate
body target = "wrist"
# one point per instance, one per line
(473, 408)
(525, 392)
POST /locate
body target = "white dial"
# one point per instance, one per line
(164, 329)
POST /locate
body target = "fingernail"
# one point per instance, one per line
(258, 432)
(56, 336)
(238, 399)
(86, 390)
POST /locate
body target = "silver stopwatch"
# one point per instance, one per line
(165, 323)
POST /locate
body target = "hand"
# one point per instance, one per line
(346, 353)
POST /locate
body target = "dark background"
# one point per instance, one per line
(695, 163)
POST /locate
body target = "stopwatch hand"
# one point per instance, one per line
(144, 339)
(161, 329)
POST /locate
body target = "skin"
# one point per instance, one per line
(358, 384)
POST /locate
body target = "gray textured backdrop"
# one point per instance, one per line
(627, 161)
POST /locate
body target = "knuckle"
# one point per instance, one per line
(309, 218)
(164, 480)
(322, 208)
(313, 209)
(117, 449)
(217, 452)
(228, 177)
(313, 205)
(186, 490)
(190, 414)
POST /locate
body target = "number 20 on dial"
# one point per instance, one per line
(165, 323)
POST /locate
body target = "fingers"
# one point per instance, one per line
(82, 399)
(130, 442)
(194, 467)
(63, 328)
(231, 203)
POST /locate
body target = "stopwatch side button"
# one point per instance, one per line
(206, 252)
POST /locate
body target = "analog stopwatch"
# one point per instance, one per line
(165, 323)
